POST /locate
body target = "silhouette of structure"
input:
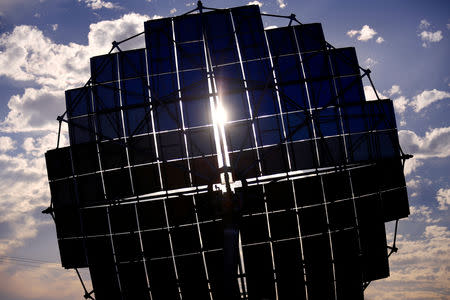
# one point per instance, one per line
(225, 161)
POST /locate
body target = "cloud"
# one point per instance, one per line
(260, 4)
(443, 198)
(369, 63)
(281, 3)
(370, 94)
(366, 33)
(430, 37)
(419, 270)
(428, 97)
(55, 27)
(173, 10)
(400, 104)
(424, 24)
(395, 89)
(7, 144)
(98, 4)
(434, 144)
(29, 56)
(379, 40)
(411, 165)
(423, 214)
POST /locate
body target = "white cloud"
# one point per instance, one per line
(173, 10)
(369, 63)
(448, 26)
(260, 4)
(370, 94)
(7, 144)
(424, 24)
(98, 4)
(55, 27)
(366, 33)
(28, 55)
(443, 198)
(428, 97)
(423, 214)
(430, 37)
(400, 104)
(281, 3)
(419, 270)
(379, 40)
(434, 144)
(411, 165)
(395, 89)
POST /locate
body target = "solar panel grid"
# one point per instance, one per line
(291, 107)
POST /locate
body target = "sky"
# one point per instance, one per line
(45, 46)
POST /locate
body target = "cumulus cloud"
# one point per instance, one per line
(424, 24)
(428, 97)
(260, 4)
(419, 270)
(423, 214)
(55, 27)
(281, 3)
(400, 104)
(443, 198)
(7, 144)
(435, 143)
(411, 165)
(379, 40)
(98, 4)
(28, 55)
(173, 10)
(430, 37)
(370, 62)
(364, 34)
(370, 93)
(395, 89)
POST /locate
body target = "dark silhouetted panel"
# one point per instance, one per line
(95, 221)
(244, 164)
(208, 206)
(341, 214)
(313, 220)
(373, 238)
(132, 63)
(252, 199)
(123, 218)
(78, 102)
(67, 222)
(104, 68)
(308, 191)
(146, 179)
(395, 204)
(259, 272)
(156, 243)
(200, 141)
(347, 265)
(72, 253)
(175, 174)
(283, 225)
(90, 189)
(63, 193)
(303, 155)
(239, 136)
(151, 214)
(337, 186)
(212, 235)
(180, 210)
(163, 283)
(274, 160)
(289, 270)
(310, 37)
(117, 184)
(159, 38)
(319, 269)
(185, 239)
(81, 130)
(113, 154)
(133, 281)
(254, 229)
(141, 149)
(171, 145)
(191, 274)
(127, 247)
(204, 170)
(85, 158)
(59, 163)
(279, 195)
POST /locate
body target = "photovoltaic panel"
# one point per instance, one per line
(314, 170)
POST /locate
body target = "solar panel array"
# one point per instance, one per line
(317, 168)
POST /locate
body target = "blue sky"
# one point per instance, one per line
(45, 47)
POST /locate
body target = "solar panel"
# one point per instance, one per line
(162, 196)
